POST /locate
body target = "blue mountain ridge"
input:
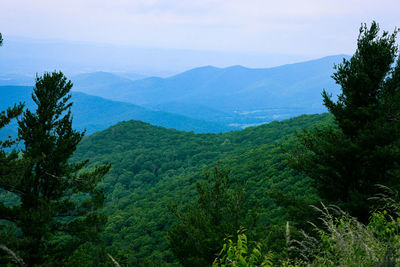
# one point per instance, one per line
(95, 113)
(234, 95)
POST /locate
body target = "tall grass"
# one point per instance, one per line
(342, 240)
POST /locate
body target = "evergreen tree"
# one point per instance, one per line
(6, 117)
(219, 211)
(58, 201)
(9, 166)
(361, 149)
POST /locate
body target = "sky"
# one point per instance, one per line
(309, 28)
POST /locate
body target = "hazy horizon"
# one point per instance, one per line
(29, 56)
(166, 37)
(310, 27)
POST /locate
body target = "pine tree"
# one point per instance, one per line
(219, 211)
(361, 149)
(9, 167)
(58, 201)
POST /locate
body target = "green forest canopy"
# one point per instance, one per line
(153, 167)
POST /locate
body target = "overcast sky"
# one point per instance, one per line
(302, 27)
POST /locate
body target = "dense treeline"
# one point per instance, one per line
(153, 167)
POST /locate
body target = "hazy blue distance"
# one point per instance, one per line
(30, 56)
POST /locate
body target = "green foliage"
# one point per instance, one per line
(58, 202)
(239, 255)
(346, 160)
(154, 167)
(88, 254)
(10, 167)
(5, 118)
(344, 241)
(341, 241)
(202, 225)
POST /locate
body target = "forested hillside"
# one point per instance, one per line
(153, 167)
(95, 113)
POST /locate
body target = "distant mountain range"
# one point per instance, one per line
(235, 95)
(95, 113)
(205, 99)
